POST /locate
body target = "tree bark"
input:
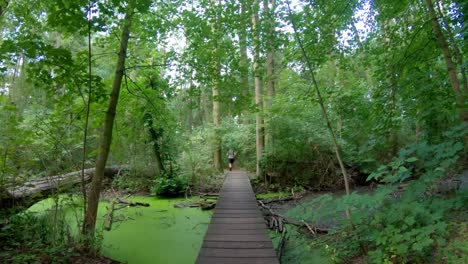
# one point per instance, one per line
(215, 92)
(258, 87)
(206, 105)
(456, 49)
(451, 67)
(244, 62)
(190, 110)
(270, 64)
(155, 137)
(106, 137)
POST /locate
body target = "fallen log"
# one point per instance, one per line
(282, 199)
(203, 195)
(31, 191)
(202, 205)
(131, 203)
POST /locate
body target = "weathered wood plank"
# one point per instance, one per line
(223, 231)
(238, 260)
(254, 220)
(238, 238)
(235, 252)
(240, 226)
(235, 244)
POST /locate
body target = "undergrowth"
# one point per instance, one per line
(409, 218)
(30, 237)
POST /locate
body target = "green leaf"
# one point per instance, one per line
(411, 159)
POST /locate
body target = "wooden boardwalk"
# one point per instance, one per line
(237, 232)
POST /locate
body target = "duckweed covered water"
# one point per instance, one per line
(156, 234)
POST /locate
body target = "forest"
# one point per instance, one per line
(350, 116)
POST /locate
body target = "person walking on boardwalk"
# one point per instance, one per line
(231, 155)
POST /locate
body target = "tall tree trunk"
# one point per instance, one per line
(456, 49)
(15, 90)
(205, 101)
(190, 110)
(215, 91)
(258, 87)
(244, 65)
(106, 137)
(451, 67)
(270, 64)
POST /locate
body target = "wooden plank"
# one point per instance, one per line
(240, 226)
(235, 211)
(237, 260)
(220, 215)
(254, 220)
(235, 244)
(224, 231)
(235, 252)
(238, 238)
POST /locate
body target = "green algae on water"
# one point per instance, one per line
(156, 234)
(159, 233)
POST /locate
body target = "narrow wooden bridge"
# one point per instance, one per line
(237, 232)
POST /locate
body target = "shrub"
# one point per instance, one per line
(28, 238)
(170, 186)
(396, 225)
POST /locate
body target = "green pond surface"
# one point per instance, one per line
(159, 233)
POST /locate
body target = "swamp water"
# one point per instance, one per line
(159, 233)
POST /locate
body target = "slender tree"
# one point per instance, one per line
(244, 60)
(258, 87)
(106, 137)
(270, 61)
(449, 62)
(215, 86)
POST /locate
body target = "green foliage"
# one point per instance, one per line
(390, 225)
(241, 139)
(134, 181)
(29, 238)
(196, 157)
(301, 150)
(429, 161)
(169, 185)
(406, 226)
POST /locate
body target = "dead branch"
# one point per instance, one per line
(310, 228)
(276, 221)
(203, 195)
(282, 244)
(131, 203)
(294, 196)
(202, 205)
(109, 218)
